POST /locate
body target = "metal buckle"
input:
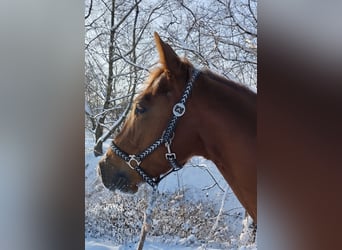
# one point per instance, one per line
(170, 156)
(132, 159)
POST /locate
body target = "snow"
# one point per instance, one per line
(93, 245)
(195, 209)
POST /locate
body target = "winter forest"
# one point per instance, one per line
(195, 208)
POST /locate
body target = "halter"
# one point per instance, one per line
(134, 161)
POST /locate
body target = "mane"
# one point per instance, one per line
(157, 71)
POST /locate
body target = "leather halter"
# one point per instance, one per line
(134, 160)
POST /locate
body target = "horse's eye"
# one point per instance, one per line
(140, 109)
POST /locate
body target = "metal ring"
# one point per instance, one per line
(179, 109)
(132, 159)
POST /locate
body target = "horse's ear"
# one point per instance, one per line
(168, 58)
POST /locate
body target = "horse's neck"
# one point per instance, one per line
(227, 115)
(228, 131)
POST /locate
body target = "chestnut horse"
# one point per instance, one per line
(190, 112)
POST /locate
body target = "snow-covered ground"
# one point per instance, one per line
(195, 209)
(152, 245)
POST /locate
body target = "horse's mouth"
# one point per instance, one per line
(116, 181)
(121, 184)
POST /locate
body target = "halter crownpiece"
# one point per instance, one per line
(134, 161)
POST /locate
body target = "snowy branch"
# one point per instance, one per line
(211, 175)
(116, 124)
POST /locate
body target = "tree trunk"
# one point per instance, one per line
(99, 128)
(98, 133)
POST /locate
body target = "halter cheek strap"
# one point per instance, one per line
(134, 161)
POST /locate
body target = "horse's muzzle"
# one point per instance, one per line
(113, 180)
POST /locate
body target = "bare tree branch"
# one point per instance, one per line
(116, 124)
(89, 10)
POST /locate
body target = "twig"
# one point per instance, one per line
(145, 228)
(147, 224)
(211, 175)
(219, 214)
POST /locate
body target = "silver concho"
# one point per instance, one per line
(179, 109)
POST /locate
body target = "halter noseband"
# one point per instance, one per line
(134, 161)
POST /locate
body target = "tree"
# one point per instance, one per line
(112, 57)
(221, 35)
(218, 34)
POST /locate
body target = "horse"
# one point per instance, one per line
(181, 113)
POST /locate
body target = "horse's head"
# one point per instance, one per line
(150, 115)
